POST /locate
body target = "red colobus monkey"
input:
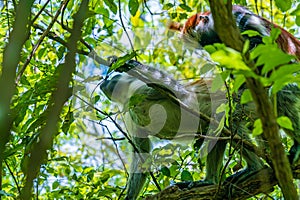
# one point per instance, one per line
(200, 27)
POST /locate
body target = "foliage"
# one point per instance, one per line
(87, 153)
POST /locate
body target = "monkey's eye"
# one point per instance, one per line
(204, 18)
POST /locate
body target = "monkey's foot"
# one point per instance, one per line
(192, 184)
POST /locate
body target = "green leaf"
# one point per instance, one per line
(133, 6)
(168, 6)
(270, 56)
(221, 108)
(246, 46)
(280, 80)
(41, 52)
(174, 169)
(296, 11)
(285, 122)
(104, 178)
(185, 7)
(186, 176)
(283, 5)
(55, 185)
(210, 49)
(298, 20)
(121, 61)
(251, 33)
(246, 97)
(238, 82)
(112, 6)
(257, 128)
(229, 58)
(165, 171)
(69, 119)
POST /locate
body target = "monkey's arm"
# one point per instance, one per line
(138, 170)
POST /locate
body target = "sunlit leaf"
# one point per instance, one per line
(270, 56)
(121, 61)
(258, 130)
(297, 20)
(285, 122)
(167, 6)
(283, 5)
(112, 6)
(246, 97)
(230, 59)
(238, 82)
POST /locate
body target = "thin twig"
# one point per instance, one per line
(13, 176)
(40, 12)
(116, 147)
(124, 133)
(45, 33)
(123, 26)
(111, 138)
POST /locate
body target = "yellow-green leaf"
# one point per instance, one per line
(257, 128)
(285, 122)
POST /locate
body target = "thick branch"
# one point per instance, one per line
(261, 181)
(11, 58)
(39, 150)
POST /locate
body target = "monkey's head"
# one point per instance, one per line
(198, 28)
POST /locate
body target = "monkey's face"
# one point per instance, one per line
(200, 28)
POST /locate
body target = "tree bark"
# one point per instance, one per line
(261, 181)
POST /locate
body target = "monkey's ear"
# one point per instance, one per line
(176, 26)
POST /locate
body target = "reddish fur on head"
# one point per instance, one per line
(286, 41)
(190, 23)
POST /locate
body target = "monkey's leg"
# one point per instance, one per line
(214, 161)
(138, 173)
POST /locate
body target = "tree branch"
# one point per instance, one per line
(22, 69)
(261, 181)
(11, 58)
(39, 150)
